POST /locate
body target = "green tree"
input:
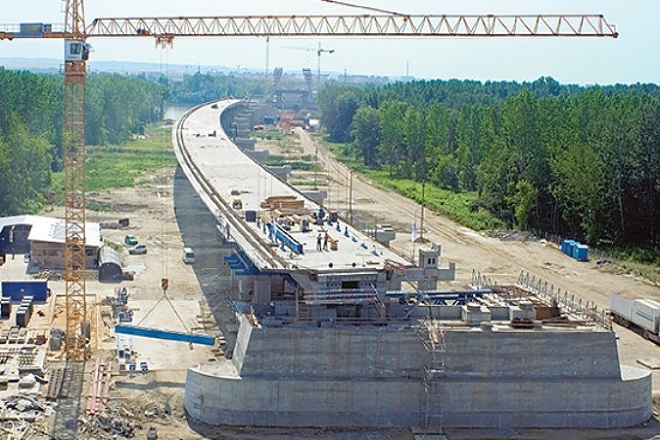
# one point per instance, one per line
(391, 130)
(578, 187)
(414, 135)
(523, 202)
(338, 106)
(650, 166)
(366, 134)
(441, 144)
(25, 163)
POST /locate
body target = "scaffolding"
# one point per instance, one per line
(433, 336)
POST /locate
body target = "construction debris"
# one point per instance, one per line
(123, 419)
(23, 414)
(511, 235)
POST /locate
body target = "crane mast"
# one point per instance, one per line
(319, 51)
(165, 29)
(73, 140)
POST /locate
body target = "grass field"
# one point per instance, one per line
(120, 166)
(457, 206)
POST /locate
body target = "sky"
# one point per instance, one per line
(631, 58)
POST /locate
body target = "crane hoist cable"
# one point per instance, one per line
(165, 284)
(367, 8)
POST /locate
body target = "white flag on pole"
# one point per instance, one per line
(414, 228)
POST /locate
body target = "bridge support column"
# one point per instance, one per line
(256, 288)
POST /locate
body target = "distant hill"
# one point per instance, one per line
(52, 65)
(174, 71)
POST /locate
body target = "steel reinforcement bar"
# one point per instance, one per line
(565, 300)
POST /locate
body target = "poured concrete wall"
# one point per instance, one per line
(294, 402)
(373, 376)
(398, 352)
(530, 354)
(331, 353)
(286, 402)
(545, 403)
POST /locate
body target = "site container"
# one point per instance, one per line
(644, 313)
(16, 290)
(621, 304)
(22, 317)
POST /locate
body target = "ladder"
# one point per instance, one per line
(381, 308)
(433, 336)
(303, 311)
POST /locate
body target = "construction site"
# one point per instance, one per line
(218, 300)
(291, 351)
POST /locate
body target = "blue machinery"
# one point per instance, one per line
(164, 334)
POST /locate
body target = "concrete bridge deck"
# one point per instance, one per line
(222, 174)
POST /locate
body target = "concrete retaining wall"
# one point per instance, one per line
(377, 352)
(292, 402)
(530, 354)
(397, 403)
(393, 352)
(373, 376)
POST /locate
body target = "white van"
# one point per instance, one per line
(188, 256)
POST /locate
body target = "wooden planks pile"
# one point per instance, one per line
(284, 204)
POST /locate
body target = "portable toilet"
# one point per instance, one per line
(581, 252)
(566, 246)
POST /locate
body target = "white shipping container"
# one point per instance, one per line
(622, 304)
(647, 314)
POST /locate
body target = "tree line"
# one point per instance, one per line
(31, 121)
(200, 87)
(576, 161)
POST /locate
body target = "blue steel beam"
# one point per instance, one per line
(164, 334)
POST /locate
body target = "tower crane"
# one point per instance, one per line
(318, 51)
(164, 29)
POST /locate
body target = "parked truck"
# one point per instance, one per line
(641, 315)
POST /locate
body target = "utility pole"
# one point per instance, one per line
(316, 162)
(350, 197)
(421, 221)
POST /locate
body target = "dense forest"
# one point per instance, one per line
(31, 109)
(576, 161)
